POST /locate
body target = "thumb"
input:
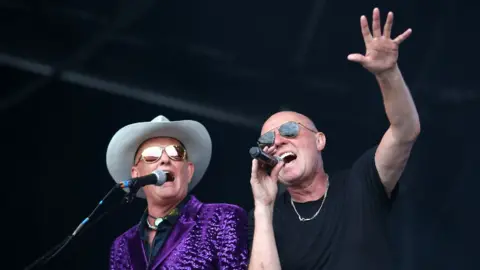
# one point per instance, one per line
(356, 57)
(276, 171)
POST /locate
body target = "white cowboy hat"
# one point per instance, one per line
(125, 143)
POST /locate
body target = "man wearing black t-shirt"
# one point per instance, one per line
(333, 221)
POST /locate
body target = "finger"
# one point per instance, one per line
(401, 38)
(254, 168)
(257, 172)
(387, 29)
(377, 32)
(265, 149)
(356, 57)
(276, 170)
(271, 149)
(367, 36)
(259, 167)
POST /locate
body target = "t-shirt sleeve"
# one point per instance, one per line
(365, 174)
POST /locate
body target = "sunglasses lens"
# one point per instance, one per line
(175, 152)
(154, 153)
(151, 154)
(289, 130)
(266, 139)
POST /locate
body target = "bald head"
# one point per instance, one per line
(281, 117)
(302, 140)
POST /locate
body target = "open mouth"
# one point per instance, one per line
(170, 176)
(288, 157)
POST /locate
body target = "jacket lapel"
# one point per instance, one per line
(137, 251)
(181, 229)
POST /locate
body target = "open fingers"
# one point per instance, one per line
(401, 38)
(387, 29)
(367, 36)
(377, 32)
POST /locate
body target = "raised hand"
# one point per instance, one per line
(264, 186)
(381, 51)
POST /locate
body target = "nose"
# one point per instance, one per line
(164, 159)
(279, 140)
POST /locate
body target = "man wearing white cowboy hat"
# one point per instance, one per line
(176, 231)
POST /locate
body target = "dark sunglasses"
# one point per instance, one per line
(154, 153)
(288, 130)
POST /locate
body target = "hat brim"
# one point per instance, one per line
(125, 143)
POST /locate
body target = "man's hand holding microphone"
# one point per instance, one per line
(264, 187)
(265, 169)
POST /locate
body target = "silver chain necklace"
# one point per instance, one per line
(302, 219)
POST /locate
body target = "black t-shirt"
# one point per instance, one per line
(350, 232)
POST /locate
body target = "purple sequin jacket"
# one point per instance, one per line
(206, 236)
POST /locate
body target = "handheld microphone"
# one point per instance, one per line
(263, 157)
(157, 177)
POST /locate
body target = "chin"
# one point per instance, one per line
(288, 178)
(166, 192)
(293, 173)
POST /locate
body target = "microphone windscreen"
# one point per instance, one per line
(161, 176)
(265, 158)
(255, 152)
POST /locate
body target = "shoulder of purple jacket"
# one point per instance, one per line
(225, 207)
(225, 210)
(131, 232)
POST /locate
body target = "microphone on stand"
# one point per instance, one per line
(263, 157)
(157, 178)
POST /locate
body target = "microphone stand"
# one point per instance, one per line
(128, 198)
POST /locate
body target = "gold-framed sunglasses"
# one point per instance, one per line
(289, 129)
(153, 154)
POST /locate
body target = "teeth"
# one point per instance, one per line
(286, 154)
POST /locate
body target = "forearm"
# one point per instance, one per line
(264, 254)
(399, 105)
